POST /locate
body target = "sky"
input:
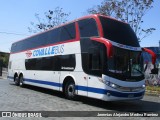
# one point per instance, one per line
(16, 15)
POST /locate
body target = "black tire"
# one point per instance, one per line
(16, 81)
(21, 81)
(69, 90)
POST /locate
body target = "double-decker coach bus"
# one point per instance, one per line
(94, 56)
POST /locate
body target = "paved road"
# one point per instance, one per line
(13, 98)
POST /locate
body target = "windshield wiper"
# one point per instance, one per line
(138, 70)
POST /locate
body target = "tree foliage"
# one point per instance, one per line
(4, 59)
(52, 18)
(130, 11)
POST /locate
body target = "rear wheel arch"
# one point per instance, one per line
(20, 75)
(16, 79)
(67, 79)
(15, 76)
(69, 88)
(21, 80)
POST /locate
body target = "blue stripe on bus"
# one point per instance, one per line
(87, 89)
(9, 77)
(91, 89)
(104, 91)
(44, 82)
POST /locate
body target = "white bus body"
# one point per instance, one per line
(72, 77)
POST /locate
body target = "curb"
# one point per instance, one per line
(3, 77)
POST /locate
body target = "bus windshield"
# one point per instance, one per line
(119, 32)
(126, 64)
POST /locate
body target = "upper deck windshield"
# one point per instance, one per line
(118, 32)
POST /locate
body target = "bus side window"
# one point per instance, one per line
(95, 63)
(52, 36)
(10, 64)
(88, 28)
(68, 32)
(30, 64)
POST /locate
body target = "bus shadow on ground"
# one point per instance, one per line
(121, 106)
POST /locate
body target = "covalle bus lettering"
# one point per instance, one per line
(49, 51)
(94, 56)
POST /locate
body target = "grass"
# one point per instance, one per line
(153, 90)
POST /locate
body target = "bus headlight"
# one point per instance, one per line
(109, 83)
(104, 81)
(143, 86)
(113, 85)
(122, 88)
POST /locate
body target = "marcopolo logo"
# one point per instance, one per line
(29, 54)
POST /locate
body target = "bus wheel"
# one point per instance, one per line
(16, 81)
(70, 90)
(21, 81)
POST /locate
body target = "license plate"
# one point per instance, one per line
(131, 95)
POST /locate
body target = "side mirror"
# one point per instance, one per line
(152, 54)
(154, 71)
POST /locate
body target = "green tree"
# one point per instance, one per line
(52, 18)
(4, 58)
(130, 11)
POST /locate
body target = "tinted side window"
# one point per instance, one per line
(68, 32)
(53, 36)
(43, 39)
(38, 64)
(13, 47)
(9, 65)
(54, 63)
(94, 58)
(30, 43)
(63, 33)
(30, 64)
(46, 64)
(68, 62)
(95, 63)
(88, 28)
